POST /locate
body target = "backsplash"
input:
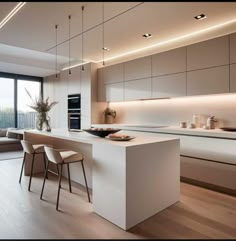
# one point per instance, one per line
(173, 111)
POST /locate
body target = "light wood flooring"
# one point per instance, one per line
(200, 213)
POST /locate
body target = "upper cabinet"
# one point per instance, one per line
(114, 92)
(112, 74)
(137, 69)
(208, 81)
(169, 62)
(233, 78)
(210, 53)
(233, 48)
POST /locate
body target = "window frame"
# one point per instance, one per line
(17, 77)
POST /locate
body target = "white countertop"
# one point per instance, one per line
(218, 133)
(85, 137)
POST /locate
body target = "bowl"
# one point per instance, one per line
(101, 132)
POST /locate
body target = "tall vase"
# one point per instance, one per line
(42, 119)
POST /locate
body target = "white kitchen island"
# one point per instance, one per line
(131, 181)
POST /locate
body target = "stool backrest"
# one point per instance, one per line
(27, 147)
(53, 155)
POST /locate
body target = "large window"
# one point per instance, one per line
(14, 101)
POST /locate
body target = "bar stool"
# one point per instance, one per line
(33, 150)
(61, 157)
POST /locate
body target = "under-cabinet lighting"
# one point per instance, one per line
(12, 13)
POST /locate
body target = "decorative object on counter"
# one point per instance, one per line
(211, 122)
(197, 120)
(192, 126)
(109, 115)
(42, 108)
(101, 132)
(119, 137)
(228, 128)
(183, 124)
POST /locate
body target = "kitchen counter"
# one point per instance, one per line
(131, 180)
(215, 133)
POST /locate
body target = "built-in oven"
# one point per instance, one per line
(74, 114)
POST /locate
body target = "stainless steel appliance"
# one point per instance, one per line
(74, 114)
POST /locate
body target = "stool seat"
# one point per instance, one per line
(70, 156)
(39, 148)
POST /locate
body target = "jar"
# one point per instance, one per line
(196, 120)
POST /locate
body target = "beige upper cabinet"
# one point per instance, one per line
(210, 53)
(114, 92)
(112, 74)
(169, 62)
(233, 78)
(137, 69)
(138, 89)
(233, 48)
(172, 85)
(208, 81)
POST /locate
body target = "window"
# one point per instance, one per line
(14, 101)
(7, 118)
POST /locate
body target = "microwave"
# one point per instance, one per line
(74, 102)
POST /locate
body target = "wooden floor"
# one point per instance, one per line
(201, 213)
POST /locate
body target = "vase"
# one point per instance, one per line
(43, 121)
(109, 119)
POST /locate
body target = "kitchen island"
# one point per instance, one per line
(131, 181)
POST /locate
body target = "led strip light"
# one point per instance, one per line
(12, 13)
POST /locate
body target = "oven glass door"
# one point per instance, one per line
(74, 122)
(74, 102)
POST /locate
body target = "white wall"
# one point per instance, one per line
(173, 111)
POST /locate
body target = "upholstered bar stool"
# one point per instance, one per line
(29, 148)
(61, 157)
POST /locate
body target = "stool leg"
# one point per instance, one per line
(68, 168)
(45, 175)
(59, 187)
(23, 162)
(45, 165)
(85, 180)
(31, 172)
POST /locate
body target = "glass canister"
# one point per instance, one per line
(197, 120)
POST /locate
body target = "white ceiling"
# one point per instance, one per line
(27, 41)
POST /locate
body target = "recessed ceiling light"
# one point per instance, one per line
(12, 13)
(200, 16)
(105, 48)
(147, 35)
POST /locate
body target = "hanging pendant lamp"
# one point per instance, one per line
(69, 17)
(82, 37)
(103, 46)
(56, 26)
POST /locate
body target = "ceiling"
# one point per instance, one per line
(27, 41)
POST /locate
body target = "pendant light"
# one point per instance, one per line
(56, 26)
(69, 17)
(103, 46)
(82, 37)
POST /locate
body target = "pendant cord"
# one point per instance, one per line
(69, 43)
(56, 26)
(103, 47)
(82, 37)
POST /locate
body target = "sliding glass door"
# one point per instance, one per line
(15, 102)
(7, 110)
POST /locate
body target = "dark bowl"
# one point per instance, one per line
(101, 133)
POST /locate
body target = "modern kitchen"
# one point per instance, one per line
(122, 123)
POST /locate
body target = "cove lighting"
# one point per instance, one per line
(205, 30)
(75, 65)
(12, 13)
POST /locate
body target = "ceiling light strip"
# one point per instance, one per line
(75, 65)
(12, 13)
(171, 40)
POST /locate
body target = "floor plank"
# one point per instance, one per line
(200, 214)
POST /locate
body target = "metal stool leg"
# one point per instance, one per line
(31, 172)
(85, 180)
(68, 168)
(45, 175)
(23, 163)
(59, 187)
(45, 165)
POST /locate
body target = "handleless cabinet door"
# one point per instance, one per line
(169, 85)
(100, 86)
(208, 81)
(233, 78)
(74, 81)
(210, 53)
(114, 92)
(233, 48)
(169, 62)
(113, 73)
(138, 68)
(138, 89)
